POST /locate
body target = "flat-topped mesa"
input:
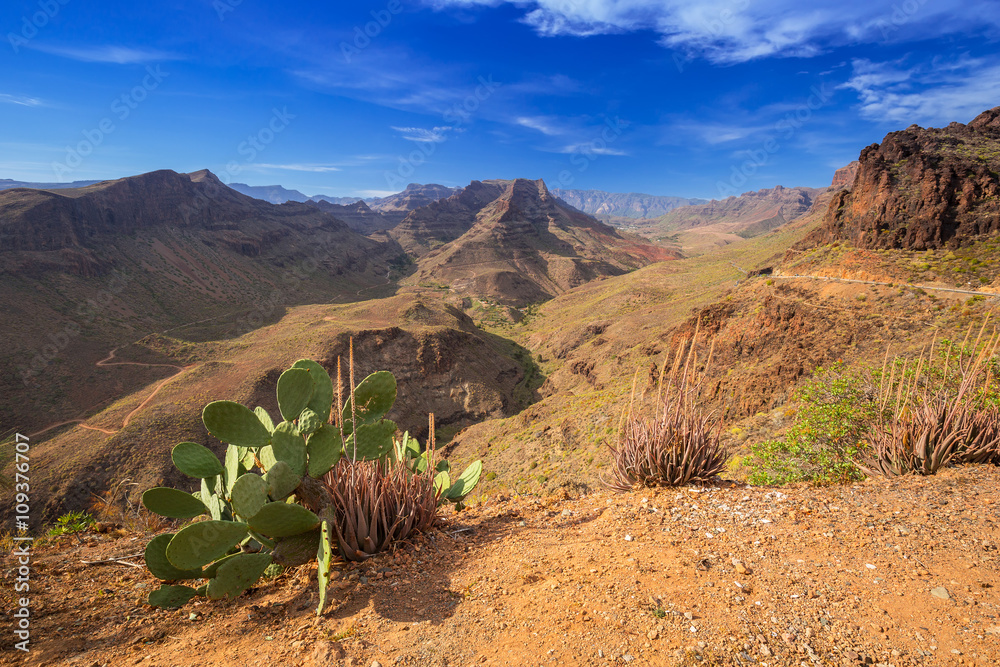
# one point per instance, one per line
(922, 188)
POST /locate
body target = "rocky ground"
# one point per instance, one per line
(902, 572)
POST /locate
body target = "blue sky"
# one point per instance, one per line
(699, 99)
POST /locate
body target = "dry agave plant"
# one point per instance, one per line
(930, 428)
(679, 444)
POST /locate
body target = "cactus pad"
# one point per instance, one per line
(324, 448)
(309, 422)
(464, 485)
(295, 388)
(374, 441)
(172, 503)
(160, 567)
(249, 494)
(288, 446)
(283, 520)
(237, 574)
(281, 480)
(171, 597)
(373, 399)
(264, 418)
(322, 395)
(201, 543)
(195, 460)
(297, 549)
(234, 423)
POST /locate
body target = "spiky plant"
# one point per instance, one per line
(378, 502)
(931, 425)
(679, 444)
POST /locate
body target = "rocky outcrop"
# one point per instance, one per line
(922, 188)
(398, 206)
(844, 177)
(357, 215)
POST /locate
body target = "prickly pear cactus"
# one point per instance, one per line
(265, 506)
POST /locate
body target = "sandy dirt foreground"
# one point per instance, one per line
(886, 573)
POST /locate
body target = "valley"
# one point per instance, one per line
(529, 329)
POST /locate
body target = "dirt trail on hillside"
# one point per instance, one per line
(106, 361)
(897, 573)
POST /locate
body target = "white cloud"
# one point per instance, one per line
(315, 168)
(592, 147)
(730, 31)
(20, 100)
(120, 55)
(932, 93)
(544, 125)
(435, 135)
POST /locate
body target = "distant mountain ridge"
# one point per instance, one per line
(7, 184)
(515, 242)
(623, 205)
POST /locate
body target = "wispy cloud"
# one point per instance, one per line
(729, 31)
(21, 100)
(119, 55)
(589, 147)
(543, 125)
(934, 92)
(434, 135)
(315, 168)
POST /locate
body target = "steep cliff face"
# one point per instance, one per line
(516, 242)
(922, 188)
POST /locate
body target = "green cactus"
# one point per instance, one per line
(295, 388)
(234, 423)
(288, 446)
(171, 597)
(237, 574)
(372, 399)
(324, 557)
(199, 544)
(464, 485)
(309, 422)
(323, 449)
(267, 508)
(281, 480)
(297, 549)
(249, 495)
(279, 519)
(265, 419)
(173, 503)
(195, 460)
(321, 400)
(374, 441)
(158, 564)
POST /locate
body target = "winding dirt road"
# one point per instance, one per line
(107, 361)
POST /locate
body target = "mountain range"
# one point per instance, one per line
(514, 317)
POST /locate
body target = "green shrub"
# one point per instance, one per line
(72, 523)
(835, 414)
